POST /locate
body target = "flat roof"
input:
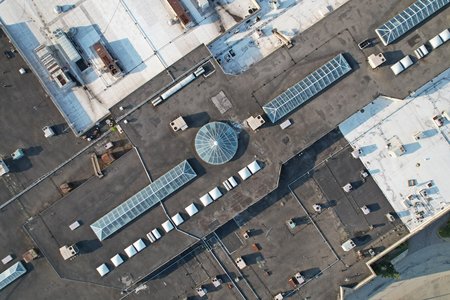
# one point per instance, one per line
(137, 34)
(427, 157)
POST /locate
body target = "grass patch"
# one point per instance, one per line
(444, 231)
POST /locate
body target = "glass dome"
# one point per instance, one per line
(216, 143)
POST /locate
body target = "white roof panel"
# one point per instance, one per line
(232, 181)
(103, 270)
(254, 167)
(245, 173)
(156, 233)
(436, 42)
(167, 226)
(397, 68)
(385, 117)
(130, 251)
(139, 245)
(117, 260)
(406, 61)
(191, 209)
(177, 219)
(206, 200)
(215, 193)
(445, 35)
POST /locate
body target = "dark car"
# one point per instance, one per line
(365, 44)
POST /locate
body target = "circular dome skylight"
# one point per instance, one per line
(216, 143)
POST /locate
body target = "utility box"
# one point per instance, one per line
(285, 124)
(317, 208)
(48, 131)
(291, 224)
(255, 122)
(278, 296)
(7, 259)
(438, 120)
(69, 252)
(65, 188)
(74, 225)
(216, 281)
(240, 263)
(3, 168)
(299, 278)
(395, 147)
(376, 60)
(356, 153)
(390, 217)
(348, 245)
(18, 154)
(178, 124)
(30, 255)
(201, 291)
(347, 188)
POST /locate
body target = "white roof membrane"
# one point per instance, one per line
(215, 193)
(102, 270)
(139, 245)
(425, 159)
(254, 167)
(167, 226)
(206, 200)
(177, 219)
(156, 233)
(117, 260)
(244, 173)
(191, 209)
(130, 251)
